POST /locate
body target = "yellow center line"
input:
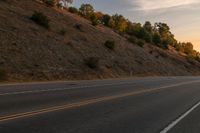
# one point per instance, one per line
(87, 102)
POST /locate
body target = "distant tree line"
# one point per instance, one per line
(158, 34)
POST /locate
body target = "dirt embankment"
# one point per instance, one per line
(31, 52)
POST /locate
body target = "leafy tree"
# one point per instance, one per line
(147, 37)
(156, 39)
(99, 16)
(163, 29)
(148, 27)
(86, 10)
(133, 29)
(120, 23)
(94, 19)
(105, 19)
(148, 32)
(136, 29)
(179, 47)
(188, 48)
(111, 23)
(166, 37)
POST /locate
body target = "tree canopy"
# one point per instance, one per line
(86, 10)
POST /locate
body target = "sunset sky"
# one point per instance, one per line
(183, 16)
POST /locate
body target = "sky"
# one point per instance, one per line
(183, 16)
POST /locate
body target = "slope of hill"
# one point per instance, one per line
(31, 52)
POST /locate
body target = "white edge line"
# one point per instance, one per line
(174, 123)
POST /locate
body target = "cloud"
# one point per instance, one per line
(161, 4)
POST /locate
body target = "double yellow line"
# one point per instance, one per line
(87, 102)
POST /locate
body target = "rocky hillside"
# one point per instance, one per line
(74, 49)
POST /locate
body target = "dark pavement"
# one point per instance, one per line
(137, 105)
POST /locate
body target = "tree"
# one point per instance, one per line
(156, 39)
(94, 19)
(133, 28)
(120, 23)
(166, 37)
(179, 47)
(99, 16)
(111, 23)
(148, 27)
(148, 37)
(188, 48)
(163, 29)
(86, 10)
(105, 19)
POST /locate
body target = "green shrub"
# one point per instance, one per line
(94, 22)
(92, 62)
(3, 75)
(79, 27)
(140, 43)
(50, 2)
(40, 19)
(62, 32)
(191, 59)
(73, 10)
(132, 39)
(110, 44)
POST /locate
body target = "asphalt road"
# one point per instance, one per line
(137, 105)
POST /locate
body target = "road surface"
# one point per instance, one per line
(137, 105)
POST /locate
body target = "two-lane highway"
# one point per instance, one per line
(137, 105)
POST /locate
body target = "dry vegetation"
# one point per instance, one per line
(74, 49)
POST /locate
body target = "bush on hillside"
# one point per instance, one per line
(78, 27)
(140, 43)
(94, 22)
(50, 2)
(73, 10)
(92, 62)
(110, 44)
(62, 32)
(132, 39)
(191, 59)
(40, 19)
